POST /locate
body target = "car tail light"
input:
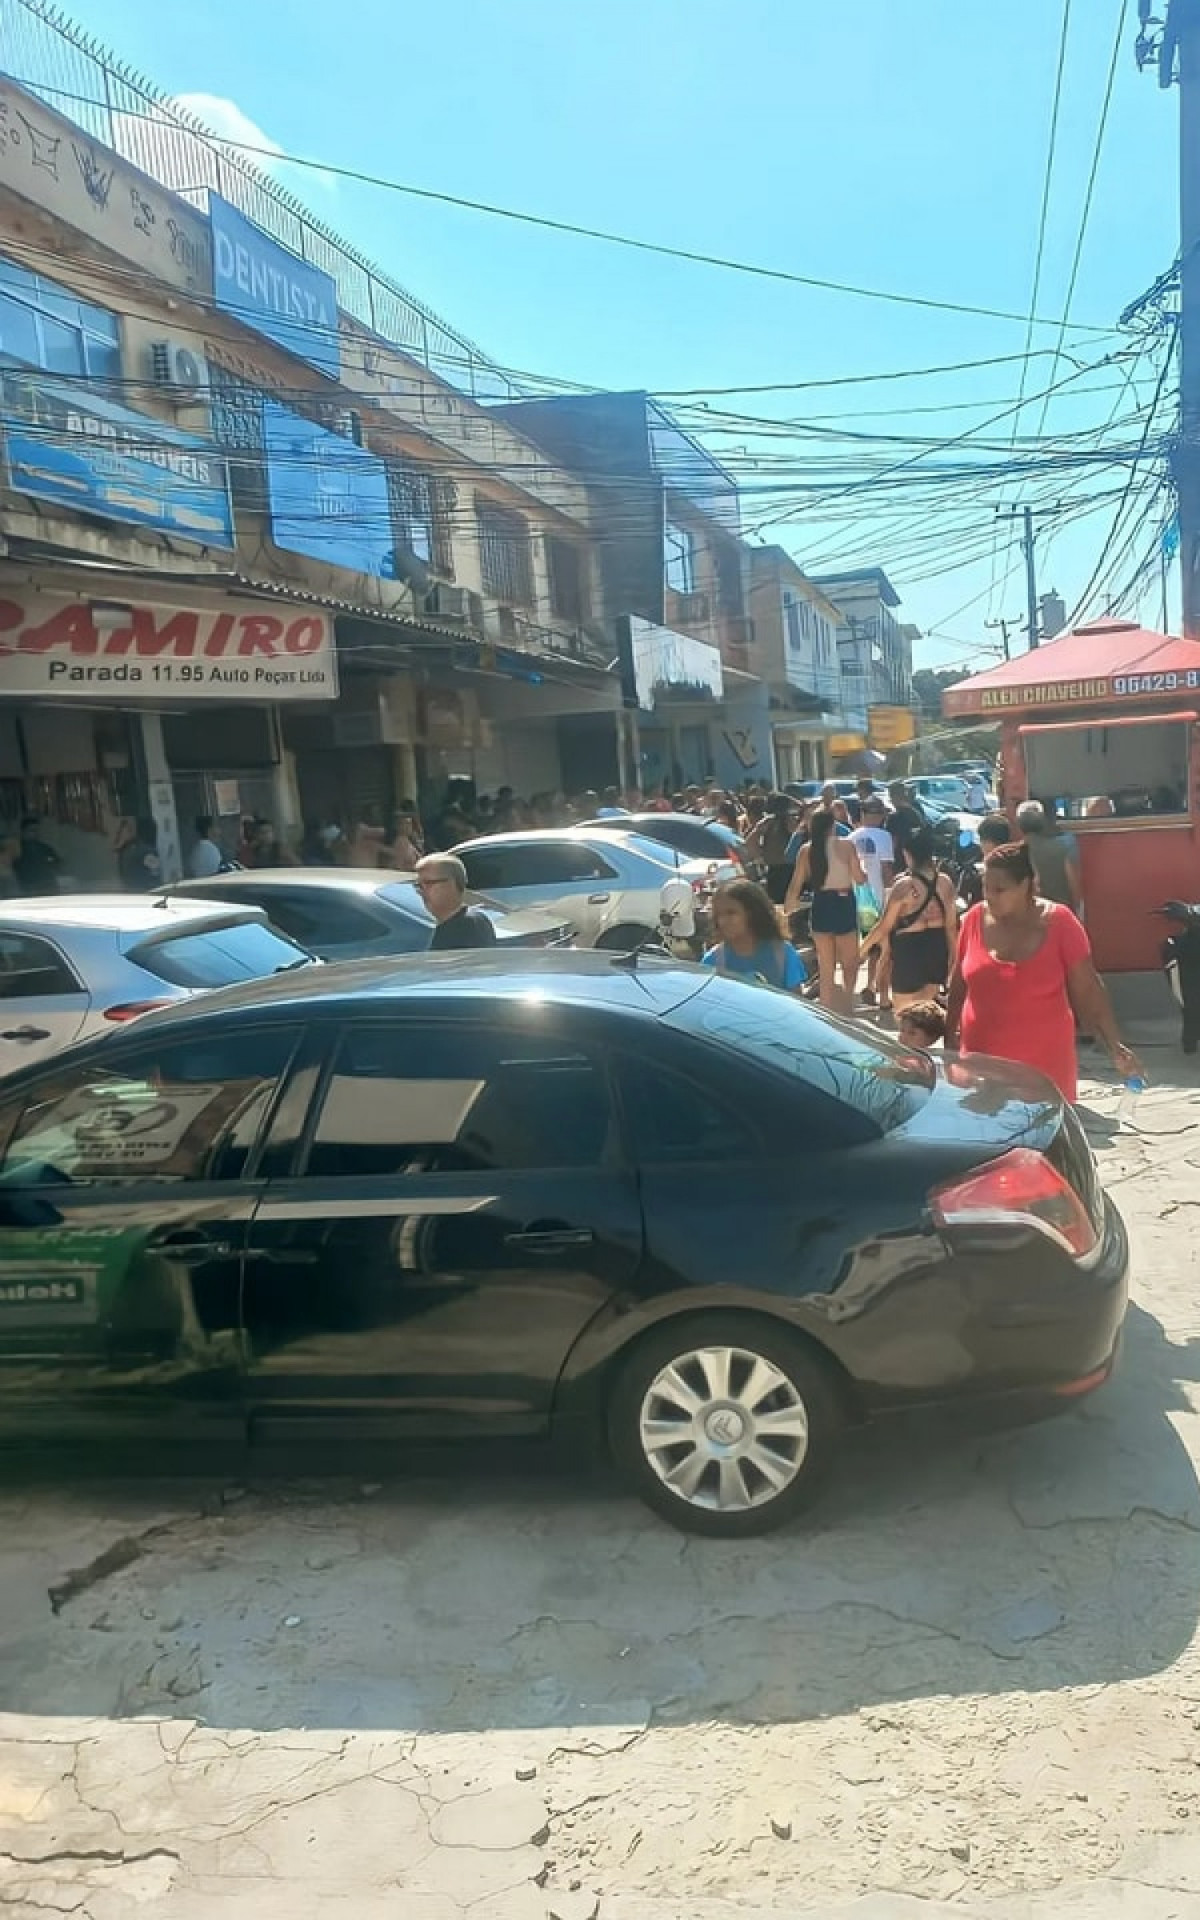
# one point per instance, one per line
(1020, 1188)
(133, 1009)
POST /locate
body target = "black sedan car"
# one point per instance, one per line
(572, 1194)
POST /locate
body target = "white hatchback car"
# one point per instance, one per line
(607, 885)
(79, 964)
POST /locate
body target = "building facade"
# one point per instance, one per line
(666, 520)
(258, 556)
(874, 647)
(796, 629)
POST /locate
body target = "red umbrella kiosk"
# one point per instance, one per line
(1101, 726)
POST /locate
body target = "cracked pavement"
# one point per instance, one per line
(970, 1684)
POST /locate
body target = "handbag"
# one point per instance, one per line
(868, 908)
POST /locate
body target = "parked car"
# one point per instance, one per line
(77, 964)
(690, 835)
(361, 914)
(845, 789)
(607, 884)
(965, 768)
(942, 790)
(419, 1200)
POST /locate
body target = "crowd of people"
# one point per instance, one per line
(991, 955)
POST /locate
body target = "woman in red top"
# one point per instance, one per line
(1023, 976)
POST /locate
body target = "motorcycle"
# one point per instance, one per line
(1181, 964)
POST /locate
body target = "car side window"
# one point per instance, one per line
(182, 1110)
(584, 863)
(550, 864)
(492, 867)
(459, 1099)
(31, 968)
(672, 1119)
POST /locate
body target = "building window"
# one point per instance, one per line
(45, 326)
(505, 561)
(728, 563)
(680, 559)
(791, 619)
(412, 494)
(568, 590)
(236, 410)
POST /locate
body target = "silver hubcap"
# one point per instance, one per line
(724, 1429)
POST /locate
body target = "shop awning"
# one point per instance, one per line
(1109, 660)
(1120, 720)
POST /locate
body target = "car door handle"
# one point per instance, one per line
(599, 899)
(194, 1250)
(284, 1256)
(25, 1034)
(550, 1239)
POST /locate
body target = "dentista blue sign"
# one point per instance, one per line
(273, 290)
(329, 499)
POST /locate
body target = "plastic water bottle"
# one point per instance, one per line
(1127, 1104)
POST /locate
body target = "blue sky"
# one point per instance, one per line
(893, 143)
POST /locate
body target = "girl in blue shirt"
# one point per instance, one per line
(749, 943)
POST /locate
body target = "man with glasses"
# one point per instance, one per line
(442, 885)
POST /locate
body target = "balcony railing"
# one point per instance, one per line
(43, 51)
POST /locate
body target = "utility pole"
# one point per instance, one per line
(1026, 517)
(1183, 25)
(1001, 626)
(1173, 49)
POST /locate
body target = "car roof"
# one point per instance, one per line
(631, 822)
(114, 913)
(580, 832)
(226, 886)
(564, 978)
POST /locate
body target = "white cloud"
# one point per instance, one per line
(245, 136)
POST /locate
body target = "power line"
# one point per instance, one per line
(1106, 107)
(1043, 220)
(579, 231)
(1085, 596)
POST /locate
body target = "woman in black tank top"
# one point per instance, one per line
(920, 926)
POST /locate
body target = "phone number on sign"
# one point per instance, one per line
(1158, 682)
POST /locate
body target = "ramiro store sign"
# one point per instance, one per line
(61, 646)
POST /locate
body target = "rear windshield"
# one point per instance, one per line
(848, 1060)
(220, 956)
(403, 894)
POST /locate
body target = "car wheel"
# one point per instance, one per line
(625, 938)
(724, 1423)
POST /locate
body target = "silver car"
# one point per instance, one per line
(361, 913)
(81, 964)
(608, 885)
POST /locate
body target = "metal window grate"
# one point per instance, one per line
(565, 566)
(505, 560)
(236, 406)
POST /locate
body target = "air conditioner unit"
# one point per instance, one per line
(447, 603)
(181, 368)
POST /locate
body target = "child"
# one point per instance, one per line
(922, 1024)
